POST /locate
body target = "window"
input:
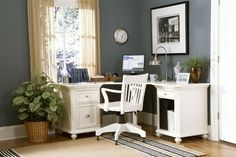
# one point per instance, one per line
(63, 34)
(67, 45)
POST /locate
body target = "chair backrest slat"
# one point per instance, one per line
(133, 90)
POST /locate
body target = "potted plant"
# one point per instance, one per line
(38, 103)
(195, 67)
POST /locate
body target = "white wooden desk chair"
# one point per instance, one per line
(132, 96)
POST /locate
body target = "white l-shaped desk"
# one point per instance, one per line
(187, 101)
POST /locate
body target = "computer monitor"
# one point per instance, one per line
(133, 63)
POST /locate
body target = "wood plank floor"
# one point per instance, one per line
(211, 148)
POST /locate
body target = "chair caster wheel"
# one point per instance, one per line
(97, 138)
(144, 140)
(116, 142)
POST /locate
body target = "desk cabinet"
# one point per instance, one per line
(182, 110)
(82, 113)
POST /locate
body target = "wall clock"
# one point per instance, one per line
(120, 36)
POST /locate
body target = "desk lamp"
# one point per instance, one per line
(157, 61)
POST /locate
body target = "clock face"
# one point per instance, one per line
(120, 36)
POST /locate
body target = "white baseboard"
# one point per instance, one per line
(16, 131)
(12, 132)
(210, 137)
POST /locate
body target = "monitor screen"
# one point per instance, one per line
(133, 63)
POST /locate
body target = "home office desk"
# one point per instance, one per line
(187, 103)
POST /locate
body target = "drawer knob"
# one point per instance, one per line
(87, 116)
(165, 93)
(86, 96)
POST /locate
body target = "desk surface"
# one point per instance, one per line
(171, 84)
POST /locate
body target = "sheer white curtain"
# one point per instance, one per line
(89, 35)
(41, 37)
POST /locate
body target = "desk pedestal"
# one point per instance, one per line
(184, 107)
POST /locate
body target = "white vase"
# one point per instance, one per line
(177, 69)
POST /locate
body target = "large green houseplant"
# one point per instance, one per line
(38, 102)
(195, 67)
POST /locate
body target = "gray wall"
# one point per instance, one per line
(134, 15)
(199, 33)
(114, 14)
(14, 55)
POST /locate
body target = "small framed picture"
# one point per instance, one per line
(182, 78)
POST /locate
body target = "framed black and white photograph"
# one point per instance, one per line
(170, 28)
(182, 78)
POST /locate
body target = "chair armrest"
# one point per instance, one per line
(105, 96)
(111, 90)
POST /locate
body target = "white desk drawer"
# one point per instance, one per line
(88, 97)
(166, 94)
(87, 116)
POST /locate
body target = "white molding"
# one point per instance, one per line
(214, 71)
(16, 131)
(12, 132)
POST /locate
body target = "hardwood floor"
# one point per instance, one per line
(211, 148)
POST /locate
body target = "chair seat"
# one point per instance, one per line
(115, 106)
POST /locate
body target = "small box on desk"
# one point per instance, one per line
(115, 78)
(104, 79)
(99, 79)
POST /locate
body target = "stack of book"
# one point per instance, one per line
(79, 75)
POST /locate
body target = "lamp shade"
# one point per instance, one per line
(155, 61)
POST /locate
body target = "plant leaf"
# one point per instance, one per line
(25, 83)
(29, 93)
(22, 110)
(18, 100)
(34, 106)
(40, 113)
(20, 90)
(45, 95)
(52, 103)
(43, 78)
(30, 87)
(23, 116)
(26, 101)
(48, 110)
(52, 118)
(53, 108)
(37, 99)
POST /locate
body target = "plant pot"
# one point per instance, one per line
(37, 131)
(195, 74)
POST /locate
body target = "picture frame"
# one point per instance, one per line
(170, 27)
(182, 78)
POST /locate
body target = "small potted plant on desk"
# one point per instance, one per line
(195, 67)
(38, 103)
